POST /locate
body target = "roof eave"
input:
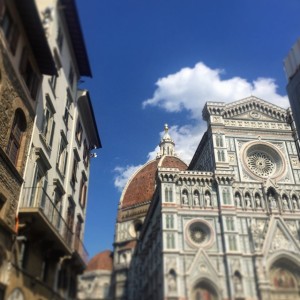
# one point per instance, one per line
(73, 23)
(32, 24)
(87, 114)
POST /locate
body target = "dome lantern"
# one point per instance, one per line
(166, 144)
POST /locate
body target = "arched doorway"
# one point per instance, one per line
(204, 291)
(284, 278)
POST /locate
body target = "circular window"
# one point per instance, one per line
(261, 164)
(263, 160)
(199, 233)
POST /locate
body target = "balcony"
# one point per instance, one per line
(36, 206)
(80, 249)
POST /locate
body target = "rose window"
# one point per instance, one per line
(261, 164)
(197, 234)
(263, 160)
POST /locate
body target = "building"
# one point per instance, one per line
(22, 66)
(292, 70)
(95, 282)
(48, 253)
(225, 227)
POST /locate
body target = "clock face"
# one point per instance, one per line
(16, 294)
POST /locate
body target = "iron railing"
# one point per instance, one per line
(79, 247)
(36, 197)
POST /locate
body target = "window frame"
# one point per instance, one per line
(16, 136)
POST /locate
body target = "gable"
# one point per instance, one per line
(253, 108)
(280, 238)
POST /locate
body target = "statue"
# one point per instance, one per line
(207, 200)
(257, 201)
(272, 202)
(295, 204)
(184, 199)
(247, 201)
(237, 200)
(196, 199)
(285, 204)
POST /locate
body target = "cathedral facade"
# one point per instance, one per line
(224, 227)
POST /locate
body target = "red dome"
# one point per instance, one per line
(101, 261)
(140, 188)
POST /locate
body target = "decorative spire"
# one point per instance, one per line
(166, 144)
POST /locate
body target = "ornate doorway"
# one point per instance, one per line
(204, 291)
(284, 281)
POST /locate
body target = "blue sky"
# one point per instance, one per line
(159, 61)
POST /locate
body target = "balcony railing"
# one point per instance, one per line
(36, 197)
(79, 247)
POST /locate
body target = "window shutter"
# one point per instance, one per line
(65, 161)
(23, 61)
(52, 132)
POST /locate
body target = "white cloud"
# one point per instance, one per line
(123, 174)
(189, 89)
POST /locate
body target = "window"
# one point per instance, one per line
(85, 153)
(71, 76)
(30, 78)
(57, 204)
(16, 135)
(24, 253)
(232, 243)
(226, 196)
(170, 241)
(10, 30)
(62, 156)
(57, 218)
(168, 194)
(70, 221)
(83, 190)
(48, 124)
(78, 231)
(219, 141)
(76, 159)
(60, 39)
(39, 187)
(67, 109)
(230, 223)
(78, 133)
(2, 202)
(44, 269)
(52, 82)
(169, 221)
(221, 155)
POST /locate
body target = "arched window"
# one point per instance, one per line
(237, 283)
(16, 135)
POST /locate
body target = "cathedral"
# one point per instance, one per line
(226, 226)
